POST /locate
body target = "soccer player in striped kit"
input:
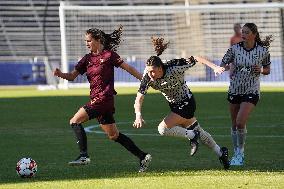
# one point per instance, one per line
(169, 79)
(249, 59)
(99, 68)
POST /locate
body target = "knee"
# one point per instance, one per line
(162, 129)
(73, 121)
(112, 136)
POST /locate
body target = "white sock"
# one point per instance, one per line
(176, 131)
(235, 140)
(217, 150)
(242, 138)
(190, 134)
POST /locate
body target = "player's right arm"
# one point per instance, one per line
(142, 91)
(68, 76)
(80, 68)
(139, 121)
(217, 69)
(227, 60)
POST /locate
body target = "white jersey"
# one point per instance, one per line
(172, 84)
(243, 80)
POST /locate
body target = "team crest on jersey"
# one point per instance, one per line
(255, 56)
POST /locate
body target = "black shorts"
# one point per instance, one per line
(185, 109)
(102, 111)
(238, 99)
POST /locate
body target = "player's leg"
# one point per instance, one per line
(234, 108)
(208, 140)
(76, 123)
(113, 134)
(170, 126)
(245, 109)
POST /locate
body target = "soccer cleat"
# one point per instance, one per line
(194, 143)
(224, 159)
(237, 160)
(81, 160)
(144, 163)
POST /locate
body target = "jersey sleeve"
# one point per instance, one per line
(228, 57)
(116, 59)
(145, 83)
(81, 66)
(181, 65)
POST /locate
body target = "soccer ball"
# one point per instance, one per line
(26, 168)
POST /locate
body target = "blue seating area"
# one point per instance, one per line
(31, 28)
(22, 74)
(34, 74)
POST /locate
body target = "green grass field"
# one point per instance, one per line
(36, 124)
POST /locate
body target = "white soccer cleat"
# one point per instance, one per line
(144, 163)
(80, 161)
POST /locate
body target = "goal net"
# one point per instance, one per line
(203, 30)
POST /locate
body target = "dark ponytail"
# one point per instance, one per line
(113, 40)
(159, 47)
(109, 41)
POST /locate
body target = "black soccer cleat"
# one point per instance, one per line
(224, 159)
(194, 142)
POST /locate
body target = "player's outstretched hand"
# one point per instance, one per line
(218, 70)
(139, 122)
(57, 72)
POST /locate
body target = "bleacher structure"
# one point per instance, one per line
(31, 28)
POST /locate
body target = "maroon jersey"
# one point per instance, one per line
(99, 70)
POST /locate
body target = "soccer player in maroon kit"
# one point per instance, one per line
(99, 67)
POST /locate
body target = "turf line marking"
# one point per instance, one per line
(92, 129)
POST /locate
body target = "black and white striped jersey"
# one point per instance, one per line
(243, 80)
(172, 84)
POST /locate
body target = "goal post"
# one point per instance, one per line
(203, 30)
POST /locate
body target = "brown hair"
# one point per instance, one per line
(159, 47)
(253, 28)
(109, 41)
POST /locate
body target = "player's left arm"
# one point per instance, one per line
(217, 69)
(264, 68)
(130, 69)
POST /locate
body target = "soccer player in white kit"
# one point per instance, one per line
(169, 79)
(249, 59)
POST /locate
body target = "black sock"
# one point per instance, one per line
(130, 146)
(81, 137)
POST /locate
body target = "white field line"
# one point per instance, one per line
(93, 129)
